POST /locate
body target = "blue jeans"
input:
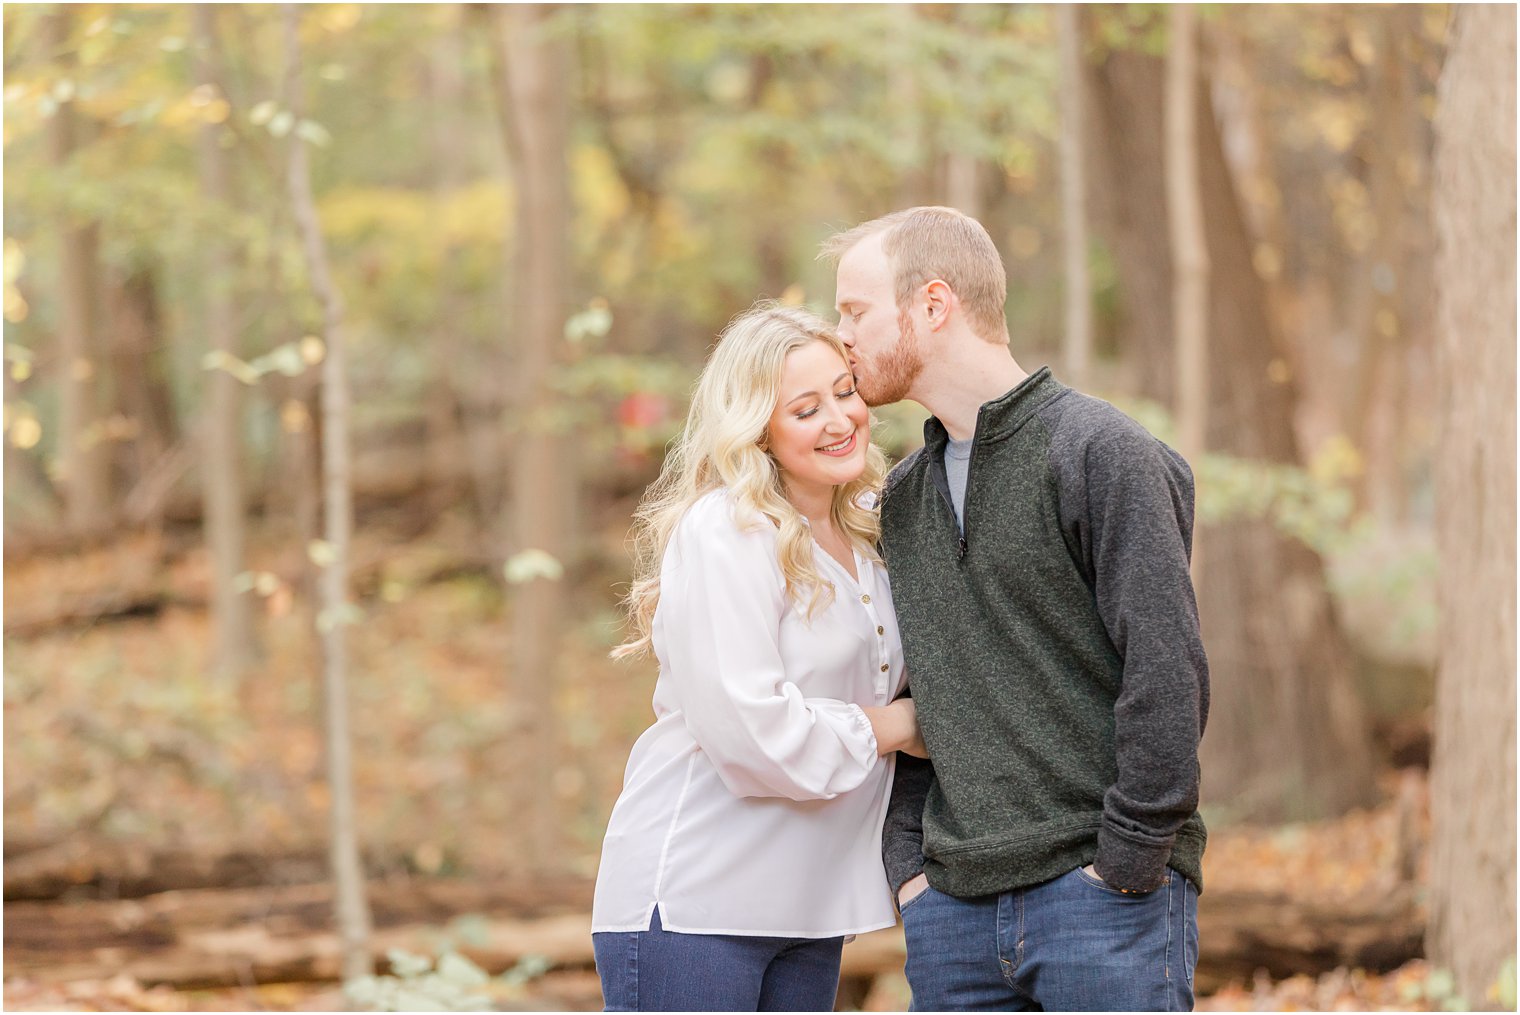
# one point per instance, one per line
(1070, 944)
(657, 970)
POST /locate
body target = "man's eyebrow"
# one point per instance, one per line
(814, 394)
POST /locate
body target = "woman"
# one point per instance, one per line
(746, 844)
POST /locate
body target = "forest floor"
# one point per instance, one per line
(119, 746)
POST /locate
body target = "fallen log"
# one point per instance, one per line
(237, 937)
(1242, 932)
(79, 868)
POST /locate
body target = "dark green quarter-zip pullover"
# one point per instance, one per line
(1052, 649)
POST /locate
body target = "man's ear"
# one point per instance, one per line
(939, 299)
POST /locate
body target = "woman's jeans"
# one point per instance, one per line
(1070, 944)
(657, 970)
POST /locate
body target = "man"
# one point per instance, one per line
(1049, 855)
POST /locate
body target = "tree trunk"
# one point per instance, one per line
(352, 909)
(910, 129)
(1287, 737)
(1383, 279)
(1190, 254)
(220, 447)
(1077, 340)
(143, 432)
(1472, 918)
(533, 68)
(86, 481)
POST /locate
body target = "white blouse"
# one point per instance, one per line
(754, 805)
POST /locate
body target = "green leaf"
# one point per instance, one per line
(404, 963)
(322, 553)
(529, 967)
(345, 614)
(531, 564)
(457, 969)
(313, 132)
(218, 359)
(412, 1000)
(1506, 985)
(1440, 984)
(593, 322)
(472, 929)
(287, 359)
(263, 112)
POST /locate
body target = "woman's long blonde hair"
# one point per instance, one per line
(720, 446)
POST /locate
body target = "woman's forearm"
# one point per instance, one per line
(895, 727)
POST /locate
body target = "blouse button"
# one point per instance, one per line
(865, 599)
(880, 629)
(883, 667)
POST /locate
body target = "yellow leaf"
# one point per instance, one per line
(341, 17)
(313, 349)
(15, 259)
(293, 416)
(26, 432)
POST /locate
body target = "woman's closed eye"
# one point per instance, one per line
(841, 395)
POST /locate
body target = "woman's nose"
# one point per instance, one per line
(836, 421)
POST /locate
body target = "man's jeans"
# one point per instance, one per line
(657, 970)
(1070, 944)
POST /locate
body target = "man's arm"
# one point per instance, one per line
(902, 838)
(1137, 537)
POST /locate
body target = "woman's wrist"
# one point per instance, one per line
(893, 727)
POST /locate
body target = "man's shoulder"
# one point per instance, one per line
(1084, 428)
(902, 470)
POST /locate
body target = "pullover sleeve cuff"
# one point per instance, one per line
(904, 862)
(1129, 865)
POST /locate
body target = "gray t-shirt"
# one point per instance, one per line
(957, 463)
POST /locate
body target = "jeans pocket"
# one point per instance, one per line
(903, 909)
(1103, 886)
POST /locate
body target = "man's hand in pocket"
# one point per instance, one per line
(911, 889)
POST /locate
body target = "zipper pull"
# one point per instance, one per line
(961, 553)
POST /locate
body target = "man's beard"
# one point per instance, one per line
(893, 373)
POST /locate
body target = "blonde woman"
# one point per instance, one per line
(746, 844)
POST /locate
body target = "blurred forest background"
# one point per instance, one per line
(340, 341)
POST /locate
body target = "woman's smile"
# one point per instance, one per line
(840, 449)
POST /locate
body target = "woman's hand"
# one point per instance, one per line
(896, 728)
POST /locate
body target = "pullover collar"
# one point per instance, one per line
(1002, 417)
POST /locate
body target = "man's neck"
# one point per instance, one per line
(954, 388)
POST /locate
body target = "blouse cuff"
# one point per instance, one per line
(859, 721)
